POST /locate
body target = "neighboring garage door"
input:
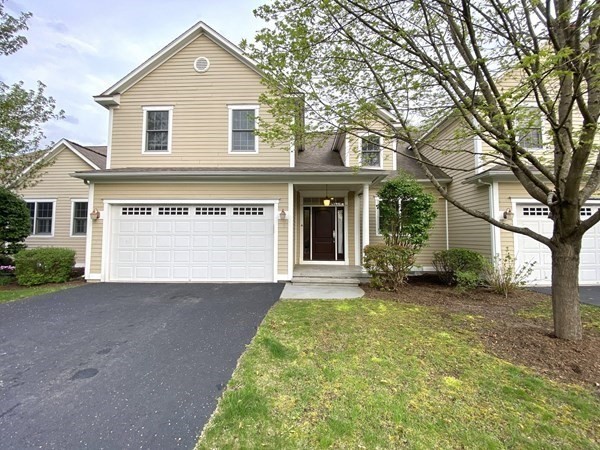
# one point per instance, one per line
(535, 217)
(192, 243)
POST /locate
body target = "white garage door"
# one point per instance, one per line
(192, 243)
(535, 217)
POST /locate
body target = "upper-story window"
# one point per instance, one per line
(158, 129)
(41, 216)
(370, 148)
(530, 129)
(242, 127)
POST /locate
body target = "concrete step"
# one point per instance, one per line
(326, 281)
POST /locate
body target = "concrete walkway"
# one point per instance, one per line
(320, 291)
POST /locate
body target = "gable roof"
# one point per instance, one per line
(110, 97)
(95, 154)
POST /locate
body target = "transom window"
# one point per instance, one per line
(157, 129)
(370, 147)
(79, 222)
(41, 214)
(242, 126)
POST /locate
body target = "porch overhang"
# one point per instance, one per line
(233, 175)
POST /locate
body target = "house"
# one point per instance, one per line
(190, 193)
(58, 203)
(493, 189)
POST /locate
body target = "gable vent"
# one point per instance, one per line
(201, 64)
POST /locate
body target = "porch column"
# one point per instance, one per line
(365, 216)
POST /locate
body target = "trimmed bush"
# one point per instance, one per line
(458, 264)
(15, 223)
(44, 265)
(388, 265)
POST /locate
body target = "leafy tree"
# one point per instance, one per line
(406, 212)
(479, 60)
(22, 114)
(15, 222)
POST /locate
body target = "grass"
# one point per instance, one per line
(378, 374)
(12, 293)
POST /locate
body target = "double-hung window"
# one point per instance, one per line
(157, 134)
(41, 216)
(242, 129)
(370, 150)
(79, 220)
(530, 129)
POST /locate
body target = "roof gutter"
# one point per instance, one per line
(214, 176)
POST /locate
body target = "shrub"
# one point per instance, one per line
(406, 213)
(6, 274)
(450, 263)
(388, 265)
(44, 265)
(15, 223)
(503, 275)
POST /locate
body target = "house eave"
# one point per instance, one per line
(108, 101)
(232, 176)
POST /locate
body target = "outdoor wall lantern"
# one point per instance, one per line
(95, 214)
(508, 214)
(283, 215)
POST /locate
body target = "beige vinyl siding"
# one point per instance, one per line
(437, 235)
(56, 184)
(200, 112)
(507, 192)
(465, 230)
(195, 193)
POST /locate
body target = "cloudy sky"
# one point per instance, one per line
(79, 48)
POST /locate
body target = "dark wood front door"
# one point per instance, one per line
(323, 234)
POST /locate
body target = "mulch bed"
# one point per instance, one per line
(14, 286)
(524, 341)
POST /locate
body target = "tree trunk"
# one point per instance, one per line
(565, 291)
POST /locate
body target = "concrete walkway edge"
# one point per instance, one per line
(320, 291)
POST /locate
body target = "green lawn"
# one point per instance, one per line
(378, 374)
(9, 294)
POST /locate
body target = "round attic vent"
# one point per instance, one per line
(201, 64)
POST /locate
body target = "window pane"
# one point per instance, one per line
(532, 138)
(158, 121)
(243, 141)
(370, 143)
(371, 159)
(243, 119)
(157, 141)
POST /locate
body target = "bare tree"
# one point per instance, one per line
(479, 60)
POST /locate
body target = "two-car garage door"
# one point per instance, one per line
(192, 243)
(535, 217)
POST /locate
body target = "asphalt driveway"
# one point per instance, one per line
(587, 294)
(122, 365)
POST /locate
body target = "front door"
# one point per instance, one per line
(323, 234)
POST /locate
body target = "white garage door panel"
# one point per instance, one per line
(535, 217)
(192, 243)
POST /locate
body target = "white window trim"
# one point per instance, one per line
(43, 200)
(145, 110)
(360, 142)
(73, 201)
(232, 108)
